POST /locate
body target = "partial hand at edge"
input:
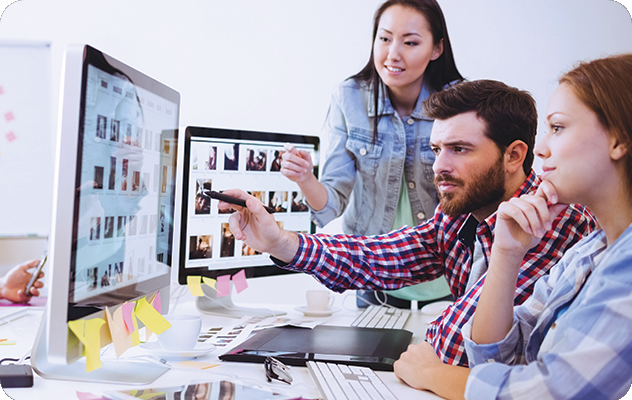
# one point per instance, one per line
(420, 367)
(13, 283)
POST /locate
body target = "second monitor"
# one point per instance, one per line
(219, 159)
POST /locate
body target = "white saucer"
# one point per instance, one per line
(199, 350)
(312, 313)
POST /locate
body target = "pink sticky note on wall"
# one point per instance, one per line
(8, 116)
(11, 136)
(1, 90)
(89, 396)
(128, 311)
(223, 285)
(239, 280)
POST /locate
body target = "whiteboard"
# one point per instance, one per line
(26, 139)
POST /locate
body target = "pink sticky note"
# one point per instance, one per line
(156, 303)
(128, 311)
(1, 90)
(11, 136)
(239, 280)
(8, 116)
(89, 396)
(223, 285)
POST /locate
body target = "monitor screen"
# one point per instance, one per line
(122, 230)
(112, 234)
(220, 159)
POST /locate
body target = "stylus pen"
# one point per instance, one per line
(232, 200)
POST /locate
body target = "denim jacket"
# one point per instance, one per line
(365, 179)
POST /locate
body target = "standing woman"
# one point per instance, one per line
(378, 169)
(572, 339)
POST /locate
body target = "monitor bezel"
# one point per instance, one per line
(190, 132)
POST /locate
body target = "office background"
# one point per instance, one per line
(272, 65)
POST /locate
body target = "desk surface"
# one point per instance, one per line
(24, 331)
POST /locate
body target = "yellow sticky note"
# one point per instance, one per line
(209, 282)
(150, 317)
(195, 285)
(93, 343)
(195, 365)
(7, 342)
(154, 395)
(88, 332)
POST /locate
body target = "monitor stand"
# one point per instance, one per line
(111, 371)
(224, 306)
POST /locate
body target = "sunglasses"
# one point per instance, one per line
(276, 370)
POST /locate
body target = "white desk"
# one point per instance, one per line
(25, 329)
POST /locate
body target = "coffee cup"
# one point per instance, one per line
(183, 333)
(319, 300)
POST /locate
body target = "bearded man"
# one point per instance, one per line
(483, 139)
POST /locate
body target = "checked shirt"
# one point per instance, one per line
(440, 246)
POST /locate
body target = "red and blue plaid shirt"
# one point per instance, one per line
(437, 247)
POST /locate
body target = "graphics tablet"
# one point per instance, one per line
(369, 347)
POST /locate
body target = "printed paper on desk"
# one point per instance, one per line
(202, 390)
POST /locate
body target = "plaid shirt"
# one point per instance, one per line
(572, 339)
(437, 247)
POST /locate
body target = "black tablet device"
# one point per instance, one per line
(368, 347)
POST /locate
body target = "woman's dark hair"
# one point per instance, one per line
(439, 72)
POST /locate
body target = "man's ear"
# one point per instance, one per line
(617, 148)
(515, 154)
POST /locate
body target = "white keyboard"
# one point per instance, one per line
(347, 382)
(375, 316)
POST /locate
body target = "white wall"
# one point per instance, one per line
(272, 65)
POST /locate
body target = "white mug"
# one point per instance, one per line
(319, 300)
(183, 333)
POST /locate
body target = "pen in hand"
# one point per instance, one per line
(232, 200)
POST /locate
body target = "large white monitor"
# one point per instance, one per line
(112, 237)
(218, 159)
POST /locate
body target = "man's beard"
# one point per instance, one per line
(483, 190)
